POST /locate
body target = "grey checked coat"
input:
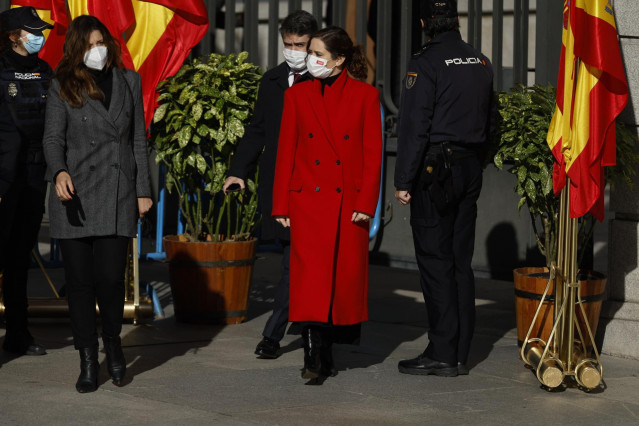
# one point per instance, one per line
(105, 153)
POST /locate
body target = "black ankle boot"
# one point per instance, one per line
(312, 347)
(116, 364)
(89, 368)
(326, 358)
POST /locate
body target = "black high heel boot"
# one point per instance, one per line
(89, 368)
(116, 364)
(312, 347)
(326, 357)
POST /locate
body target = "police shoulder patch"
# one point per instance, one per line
(411, 78)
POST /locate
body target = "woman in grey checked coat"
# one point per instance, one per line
(95, 147)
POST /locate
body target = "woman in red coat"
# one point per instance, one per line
(326, 187)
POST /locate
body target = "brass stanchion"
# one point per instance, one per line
(562, 355)
(36, 256)
(586, 372)
(135, 306)
(550, 370)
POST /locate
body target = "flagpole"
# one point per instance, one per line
(566, 279)
(562, 355)
(592, 91)
(572, 355)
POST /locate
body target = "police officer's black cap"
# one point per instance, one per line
(432, 9)
(23, 18)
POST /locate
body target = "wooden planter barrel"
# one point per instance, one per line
(529, 287)
(210, 281)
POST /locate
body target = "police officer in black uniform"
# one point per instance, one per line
(444, 125)
(24, 79)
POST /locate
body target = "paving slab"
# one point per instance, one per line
(202, 374)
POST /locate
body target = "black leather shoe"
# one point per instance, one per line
(32, 350)
(36, 350)
(116, 364)
(311, 338)
(268, 348)
(462, 369)
(89, 368)
(422, 365)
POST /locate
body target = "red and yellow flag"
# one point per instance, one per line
(165, 32)
(591, 92)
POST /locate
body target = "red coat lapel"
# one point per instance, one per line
(318, 107)
(333, 99)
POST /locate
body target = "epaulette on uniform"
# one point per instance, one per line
(421, 51)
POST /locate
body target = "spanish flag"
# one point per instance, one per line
(591, 92)
(165, 32)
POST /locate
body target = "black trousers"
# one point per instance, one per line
(94, 269)
(444, 249)
(21, 213)
(276, 324)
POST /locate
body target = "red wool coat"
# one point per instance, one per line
(328, 166)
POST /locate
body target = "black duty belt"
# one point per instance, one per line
(453, 151)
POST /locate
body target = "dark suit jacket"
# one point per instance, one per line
(105, 153)
(262, 134)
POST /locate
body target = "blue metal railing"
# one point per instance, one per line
(159, 253)
(377, 220)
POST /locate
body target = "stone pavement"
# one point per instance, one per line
(189, 374)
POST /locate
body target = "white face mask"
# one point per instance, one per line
(317, 67)
(96, 58)
(295, 59)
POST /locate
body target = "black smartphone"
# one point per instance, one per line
(234, 187)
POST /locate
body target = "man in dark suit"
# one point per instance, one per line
(262, 135)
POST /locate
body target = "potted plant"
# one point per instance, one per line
(202, 113)
(520, 144)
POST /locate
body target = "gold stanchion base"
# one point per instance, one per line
(586, 372)
(550, 373)
(59, 308)
(588, 376)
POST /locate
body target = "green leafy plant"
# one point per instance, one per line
(520, 143)
(202, 113)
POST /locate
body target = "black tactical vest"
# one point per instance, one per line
(25, 93)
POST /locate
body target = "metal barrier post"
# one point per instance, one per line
(377, 219)
(159, 253)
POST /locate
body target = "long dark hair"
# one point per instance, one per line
(338, 43)
(76, 83)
